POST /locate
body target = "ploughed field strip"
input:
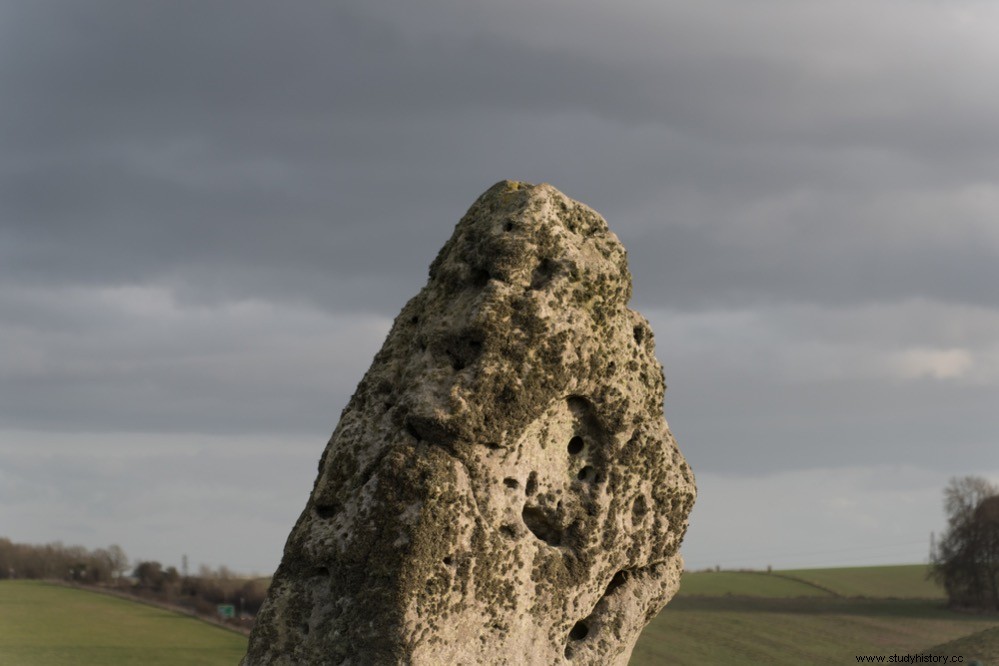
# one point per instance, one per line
(748, 617)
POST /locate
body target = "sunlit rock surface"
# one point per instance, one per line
(502, 487)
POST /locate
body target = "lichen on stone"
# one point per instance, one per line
(502, 487)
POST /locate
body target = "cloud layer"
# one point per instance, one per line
(209, 215)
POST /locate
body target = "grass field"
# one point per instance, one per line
(746, 584)
(983, 646)
(815, 630)
(815, 616)
(810, 616)
(906, 581)
(897, 582)
(49, 625)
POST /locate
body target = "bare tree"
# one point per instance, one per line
(117, 561)
(966, 560)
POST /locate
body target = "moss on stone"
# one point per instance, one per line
(409, 531)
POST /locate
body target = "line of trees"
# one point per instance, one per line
(56, 561)
(966, 560)
(203, 592)
(149, 579)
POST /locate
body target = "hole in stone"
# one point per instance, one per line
(509, 531)
(532, 484)
(639, 333)
(493, 446)
(541, 525)
(508, 226)
(542, 275)
(639, 508)
(578, 631)
(507, 396)
(326, 511)
(575, 445)
(587, 473)
(463, 349)
(448, 560)
(617, 581)
(511, 482)
(480, 277)
(322, 572)
(305, 629)
(429, 429)
(415, 319)
(577, 404)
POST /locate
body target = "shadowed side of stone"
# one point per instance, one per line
(502, 487)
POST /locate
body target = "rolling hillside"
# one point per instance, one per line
(808, 616)
(817, 616)
(49, 625)
(894, 582)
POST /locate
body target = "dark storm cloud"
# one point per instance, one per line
(318, 155)
(330, 141)
(812, 268)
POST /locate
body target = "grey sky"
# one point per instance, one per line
(210, 212)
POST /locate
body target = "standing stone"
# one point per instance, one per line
(502, 487)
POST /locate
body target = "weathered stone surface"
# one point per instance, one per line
(502, 487)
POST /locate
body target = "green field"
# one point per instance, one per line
(890, 582)
(983, 646)
(811, 616)
(897, 582)
(746, 584)
(49, 625)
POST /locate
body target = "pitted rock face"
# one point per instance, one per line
(502, 487)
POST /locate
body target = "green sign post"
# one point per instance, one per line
(226, 611)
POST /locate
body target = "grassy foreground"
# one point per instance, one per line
(49, 625)
(817, 616)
